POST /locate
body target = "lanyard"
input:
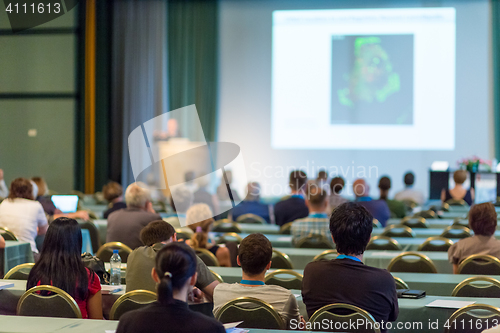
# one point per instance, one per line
(252, 282)
(297, 196)
(343, 256)
(318, 216)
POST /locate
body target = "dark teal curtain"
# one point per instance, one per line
(495, 44)
(192, 59)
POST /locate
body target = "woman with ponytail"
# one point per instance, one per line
(175, 275)
(199, 219)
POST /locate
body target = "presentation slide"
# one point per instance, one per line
(363, 79)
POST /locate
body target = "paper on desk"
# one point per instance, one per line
(232, 325)
(236, 330)
(106, 289)
(444, 303)
(5, 285)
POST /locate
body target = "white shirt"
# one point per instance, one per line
(281, 299)
(4, 191)
(23, 217)
(410, 194)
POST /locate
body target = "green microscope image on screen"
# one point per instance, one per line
(372, 79)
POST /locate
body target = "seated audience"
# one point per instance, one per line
(459, 192)
(22, 214)
(4, 191)
(378, 208)
(140, 262)
(112, 192)
(335, 199)
(200, 219)
(483, 221)
(397, 208)
(125, 225)
(60, 265)
(254, 257)
(202, 195)
(48, 206)
(252, 205)
(175, 275)
(180, 200)
(322, 181)
(2, 242)
(317, 223)
(222, 192)
(346, 279)
(294, 207)
(409, 193)
(189, 182)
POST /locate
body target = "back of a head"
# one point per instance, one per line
(409, 179)
(255, 253)
(175, 264)
(189, 176)
(322, 175)
(42, 185)
(384, 183)
(253, 189)
(297, 180)
(156, 232)
(60, 261)
(181, 199)
(199, 218)
(137, 195)
(460, 176)
(351, 227)
(483, 219)
(21, 188)
(111, 191)
(360, 188)
(316, 196)
(337, 184)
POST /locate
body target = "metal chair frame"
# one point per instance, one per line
(17, 268)
(70, 300)
(252, 300)
(130, 294)
(416, 254)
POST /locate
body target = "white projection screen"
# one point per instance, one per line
(359, 88)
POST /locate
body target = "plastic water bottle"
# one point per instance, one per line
(116, 265)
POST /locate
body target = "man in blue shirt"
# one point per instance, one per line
(378, 208)
(294, 207)
(252, 204)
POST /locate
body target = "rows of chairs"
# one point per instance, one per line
(253, 313)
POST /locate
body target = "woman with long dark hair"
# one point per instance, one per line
(60, 265)
(175, 275)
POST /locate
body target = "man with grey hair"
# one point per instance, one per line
(252, 204)
(125, 225)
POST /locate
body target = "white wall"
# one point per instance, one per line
(245, 35)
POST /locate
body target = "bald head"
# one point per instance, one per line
(360, 188)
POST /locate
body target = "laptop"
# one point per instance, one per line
(65, 203)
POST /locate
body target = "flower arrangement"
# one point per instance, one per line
(474, 164)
